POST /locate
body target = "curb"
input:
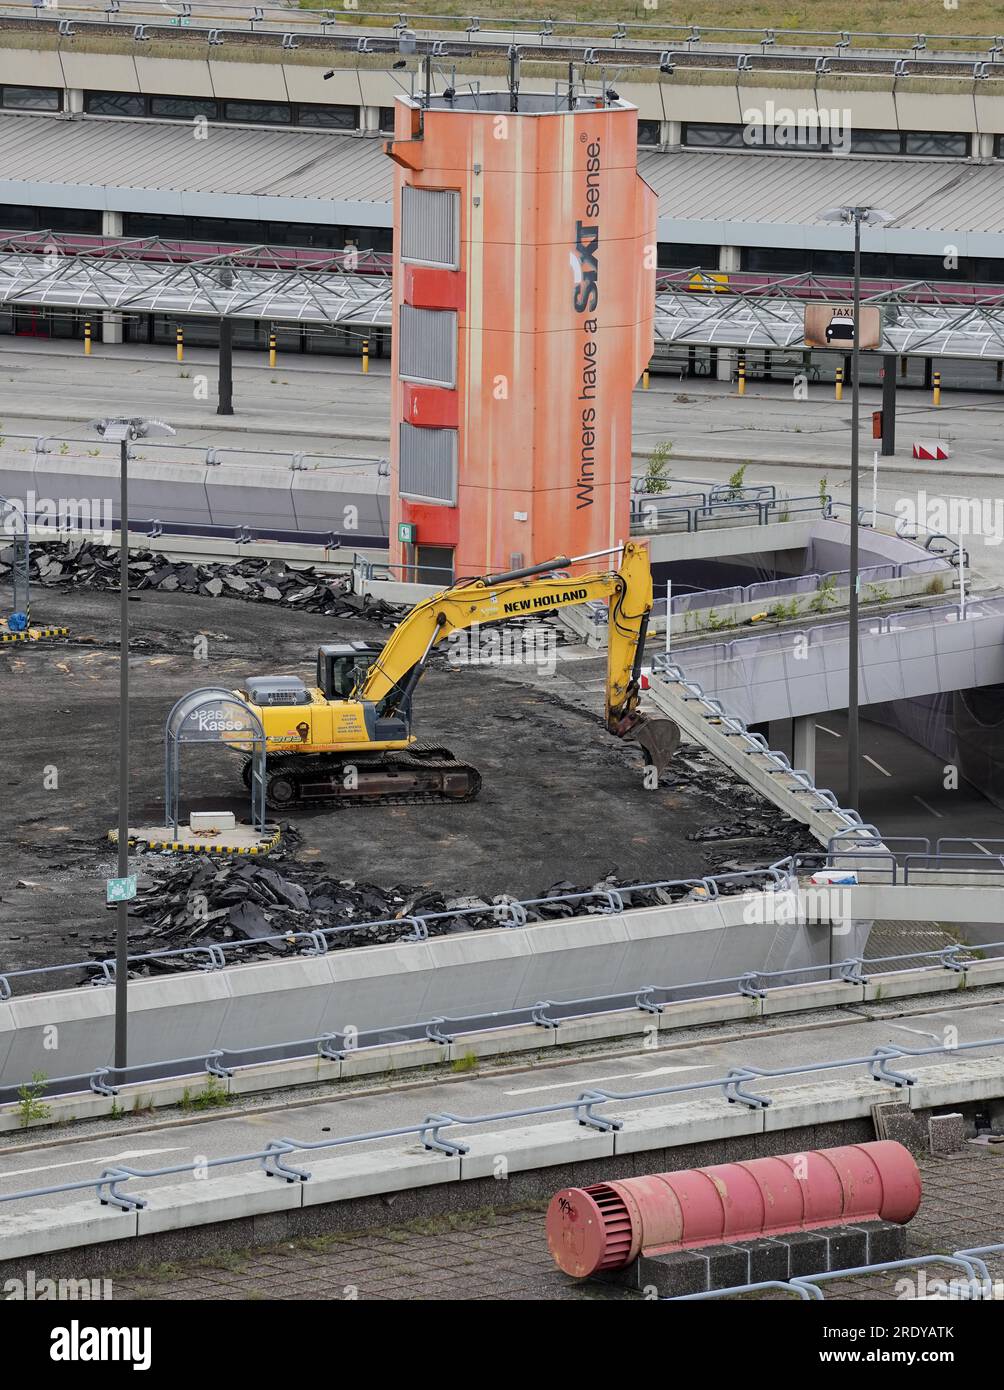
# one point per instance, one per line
(34, 634)
(181, 847)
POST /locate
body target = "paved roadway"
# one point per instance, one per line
(793, 1042)
(326, 405)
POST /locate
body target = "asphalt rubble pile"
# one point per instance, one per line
(82, 564)
(261, 911)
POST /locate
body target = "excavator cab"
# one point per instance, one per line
(342, 667)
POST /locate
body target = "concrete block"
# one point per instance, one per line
(808, 1252)
(33, 1230)
(848, 1247)
(728, 1265)
(908, 982)
(894, 1119)
(496, 1042)
(886, 1241)
(824, 995)
(200, 1201)
(768, 1258)
(687, 1122)
(947, 1133)
(368, 1061)
(822, 1103)
(609, 1025)
(212, 820)
(306, 1071)
(366, 1173)
(954, 1083)
(723, 1009)
(503, 1151)
(673, 1275)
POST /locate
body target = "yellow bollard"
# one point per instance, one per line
(271, 349)
(742, 376)
(179, 338)
(366, 354)
(903, 363)
(87, 339)
(644, 380)
(937, 388)
(839, 387)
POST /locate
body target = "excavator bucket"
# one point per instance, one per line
(659, 738)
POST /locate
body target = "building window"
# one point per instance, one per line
(32, 98)
(387, 119)
(712, 136)
(954, 144)
(875, 141)
(430, 226)
(184, 108)
(330, 117)
(258, 112)
(114, 104)
(649, 133)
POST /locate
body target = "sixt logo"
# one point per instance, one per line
(585, 267)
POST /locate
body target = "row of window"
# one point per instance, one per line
(180, 108)
(423, 236)
(719, 136)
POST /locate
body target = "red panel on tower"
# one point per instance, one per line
(431, 406)
(428, 288)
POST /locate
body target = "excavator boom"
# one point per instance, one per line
(350, 737)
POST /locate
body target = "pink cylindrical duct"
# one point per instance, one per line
(606, 1226)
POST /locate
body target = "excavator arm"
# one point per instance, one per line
(391, 680)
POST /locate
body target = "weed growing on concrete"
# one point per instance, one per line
(657, 477)
(468, 1062)
(736, 480)
(936, 586)
(825, 596)
(209, 1098)
(30, 1105)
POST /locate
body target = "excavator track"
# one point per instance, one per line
(415, 776)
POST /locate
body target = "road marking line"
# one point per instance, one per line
(832, 732)
(920, 1032)
(76, 1162)
(877, 765)
(928, 807)
(598, 1080)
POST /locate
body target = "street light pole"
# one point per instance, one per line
(124, 430)
(122, 908)
(852, 613)
(873, 217)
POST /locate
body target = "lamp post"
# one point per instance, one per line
(123, 430)
(856, 216)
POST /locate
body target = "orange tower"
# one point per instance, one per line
(524, 294)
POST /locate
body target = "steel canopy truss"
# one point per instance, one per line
(920, 319)
(232, 285)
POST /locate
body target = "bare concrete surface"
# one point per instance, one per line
(489, 1256)
(562, 800)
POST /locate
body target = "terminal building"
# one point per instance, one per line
(225, 152)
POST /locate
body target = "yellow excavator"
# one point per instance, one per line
(349, 738)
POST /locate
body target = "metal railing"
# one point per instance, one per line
(714, 713)
(661, 514)
(979, 1284)
(550, 1014)
(211, 456)
(807, 584)
(271, 1157)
